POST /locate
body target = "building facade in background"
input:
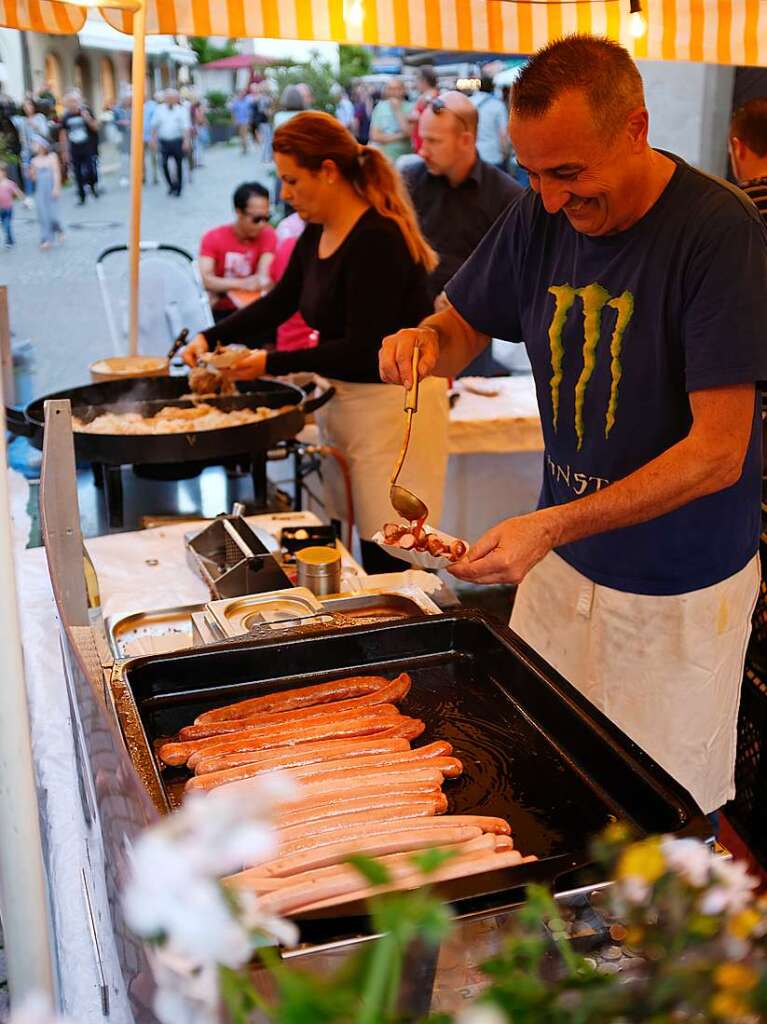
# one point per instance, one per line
(97, 61)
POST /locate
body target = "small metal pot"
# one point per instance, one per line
(319, 570)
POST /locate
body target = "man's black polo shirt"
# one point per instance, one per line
(454, 220)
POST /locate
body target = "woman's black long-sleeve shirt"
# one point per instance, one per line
(368, 288)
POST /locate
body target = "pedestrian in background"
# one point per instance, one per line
(9, 191)
(428, 89)
(10, 143)
(172, 130)
(493, 125)
(45, 172)
(150, 144)
(200, 134)
(240, 107)
(748, 151)
(31, 124)
(292, 102)
(80, 141)
(390, 125)
(363, 111)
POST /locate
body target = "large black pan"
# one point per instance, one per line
(147, 395)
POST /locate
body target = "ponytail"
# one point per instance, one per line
(313, 137)
(380, 183)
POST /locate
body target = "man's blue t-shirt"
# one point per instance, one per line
(619, 329)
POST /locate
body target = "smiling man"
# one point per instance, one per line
(639, 286)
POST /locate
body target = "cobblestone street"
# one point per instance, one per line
(54, 296)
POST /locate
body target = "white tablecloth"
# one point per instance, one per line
(495, 414)
(129, 581)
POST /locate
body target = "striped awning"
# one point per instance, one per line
(42, 16)
(715, 31)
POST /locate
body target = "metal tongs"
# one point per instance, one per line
(403, 501)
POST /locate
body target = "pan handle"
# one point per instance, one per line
(310, 405)
(17, 423)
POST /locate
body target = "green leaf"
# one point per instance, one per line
(371, 870)
(428, 861)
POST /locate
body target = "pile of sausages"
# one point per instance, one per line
(363, 789)
(409, 537)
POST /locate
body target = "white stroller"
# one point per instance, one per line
(171, 296)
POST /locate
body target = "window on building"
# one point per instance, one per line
(107, 82)
(53, 79)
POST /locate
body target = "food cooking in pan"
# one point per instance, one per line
(363, 789)
(172, 419)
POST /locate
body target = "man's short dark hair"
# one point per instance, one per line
(749, 124)
(486, 84)
(243, 193)
(429, 75)
(602, 69)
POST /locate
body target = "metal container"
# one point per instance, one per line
(231, 560)
(170, 628)
(238, 616)
(319, 569)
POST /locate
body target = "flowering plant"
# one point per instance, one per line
(698, 935)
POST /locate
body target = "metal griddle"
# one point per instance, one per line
(534, 750)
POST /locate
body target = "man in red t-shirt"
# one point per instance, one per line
(428, 90)
(238, 256)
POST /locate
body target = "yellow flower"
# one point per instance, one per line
(744, 923)
(728, 1005)
(643, 860)
(736, 977)
(616, 832)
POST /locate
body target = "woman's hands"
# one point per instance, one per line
(197, 346)
(250, 367)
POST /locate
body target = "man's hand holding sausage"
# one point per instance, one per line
(508, 551)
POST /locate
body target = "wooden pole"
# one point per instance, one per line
(137, 164)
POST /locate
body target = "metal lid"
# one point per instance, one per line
(318, 561)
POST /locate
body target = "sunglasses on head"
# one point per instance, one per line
(259, 218)
(438, 105)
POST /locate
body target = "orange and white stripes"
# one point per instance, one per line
(42, 16)
(715, 31)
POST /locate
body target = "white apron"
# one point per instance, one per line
(666, 670)
(366, 422)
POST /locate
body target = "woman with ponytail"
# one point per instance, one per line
(358, 273)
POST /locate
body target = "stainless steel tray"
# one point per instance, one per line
(123, 629)
(362, 609)
(238, 616)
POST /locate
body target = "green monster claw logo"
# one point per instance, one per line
(593, 298)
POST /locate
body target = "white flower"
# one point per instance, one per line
(482, 1013)
(690, 858)
(634, 890)
(734, 890)
(174, 893)
(35, 1008)
(186, 993)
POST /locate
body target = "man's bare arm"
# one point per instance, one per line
(447, 342)
(709, 459)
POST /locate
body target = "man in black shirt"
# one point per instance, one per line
(79, 139)
(748, 151)
(456, 195)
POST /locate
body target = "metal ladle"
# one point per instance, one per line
(404, 501)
